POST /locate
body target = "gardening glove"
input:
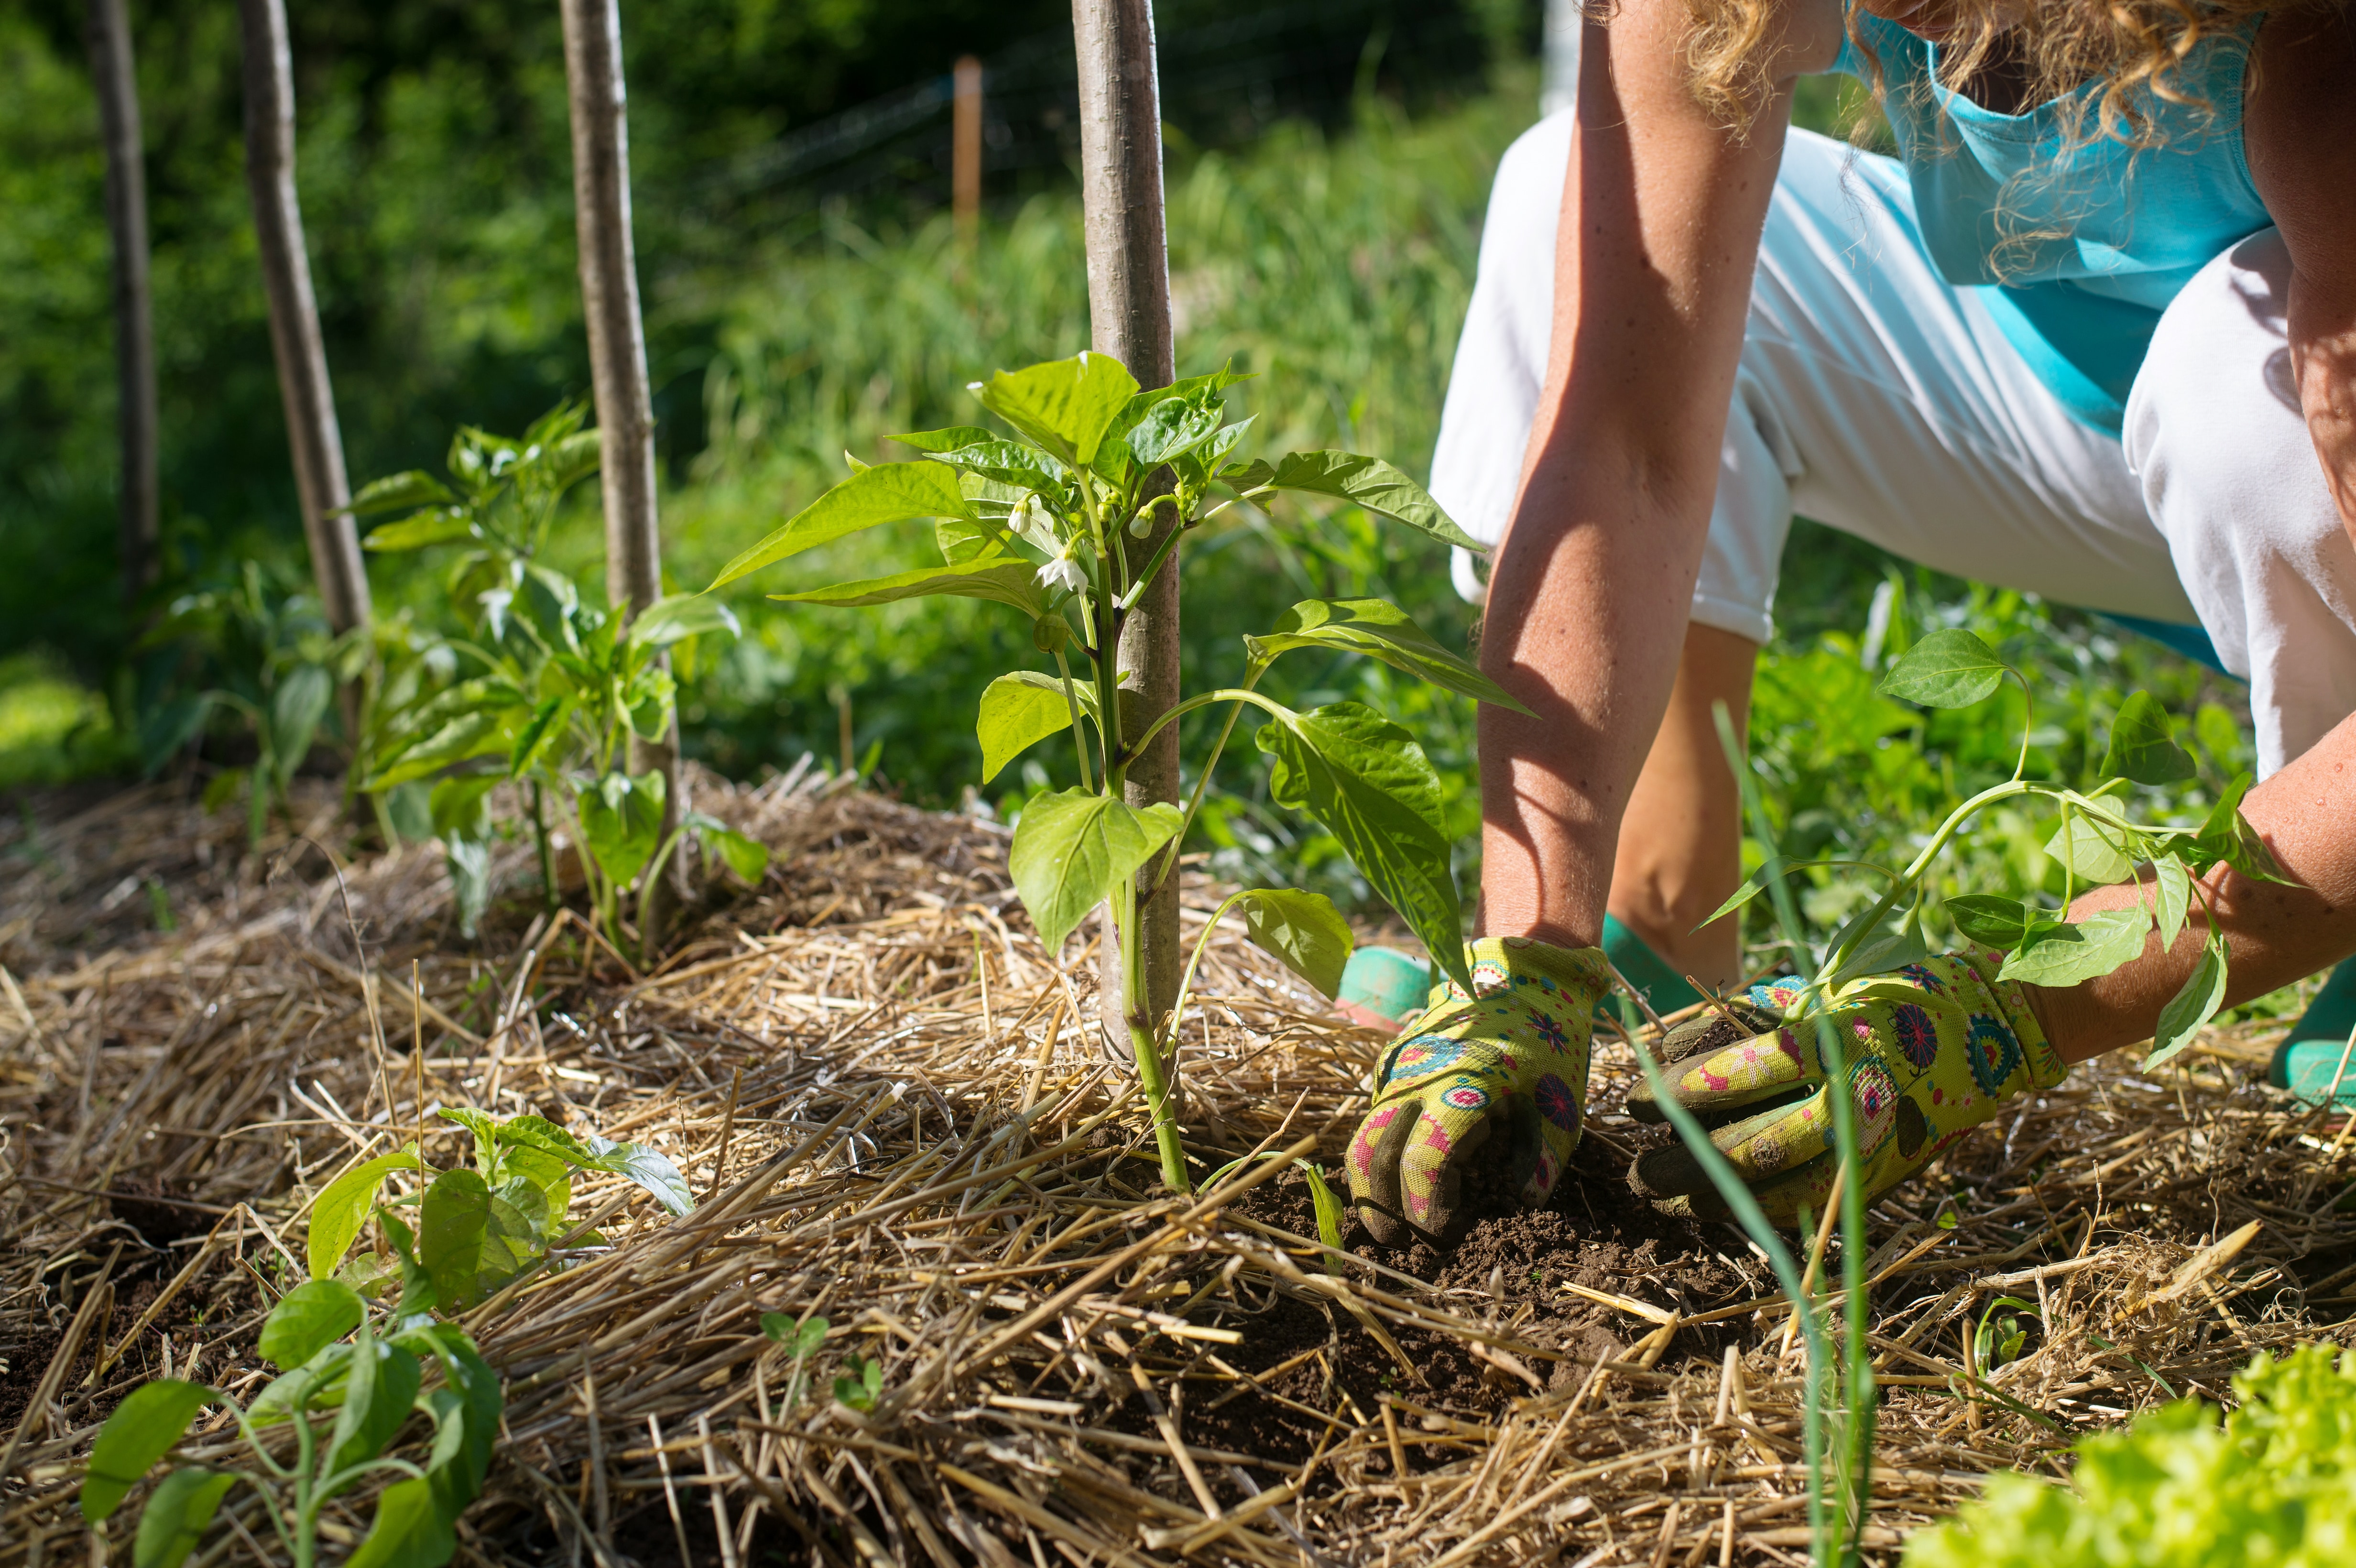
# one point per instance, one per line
(1489, 1087)
(1932, 1050)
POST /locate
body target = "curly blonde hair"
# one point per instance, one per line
(2134, 47)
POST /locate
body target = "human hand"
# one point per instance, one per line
(1496, 1076)
(1931, 1052)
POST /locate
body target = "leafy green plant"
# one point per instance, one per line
(475, 1229)
(551, 688)
(331, 1358)
(861, 1384)
(2273, 1481)
(266, 658)
(806, 1338)
(1068, 524)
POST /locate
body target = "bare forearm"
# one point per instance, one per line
(2274, 934)
(1591, 594)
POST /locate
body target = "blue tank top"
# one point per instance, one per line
(2075, 240)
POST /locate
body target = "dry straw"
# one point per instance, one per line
(926, 1145)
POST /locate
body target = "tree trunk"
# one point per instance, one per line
(112, 67)
(617, 365)
(1128, 314)
(311, 431)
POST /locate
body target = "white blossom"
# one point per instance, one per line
(1064, 571)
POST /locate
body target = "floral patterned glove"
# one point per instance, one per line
(1931, 1050)
(1495, 1083)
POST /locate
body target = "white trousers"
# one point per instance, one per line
(1878, 399)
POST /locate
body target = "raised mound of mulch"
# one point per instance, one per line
(898, 1116)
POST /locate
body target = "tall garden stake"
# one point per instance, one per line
(617, 366)
(1128, 315)
(112, 67)
(311, 431)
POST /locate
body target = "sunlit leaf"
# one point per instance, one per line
(621, 822)
(308, 1318)
(1302, 929)
(340, 1211)
(2093, 852)
(1379, 631)
(1018, 711)
(442, 525)
(1003, 579)
(409, 1530)
(648, 1169)
(680, 616)
(1367, 481)
(2059, 952)
(888, 493)
(1990, 921)
(450, 1229)
(1372, 787)
(945, 440)
(1072, 848)
(1065, 405)
(2172, 897)
(400, 493)
(1949, 668)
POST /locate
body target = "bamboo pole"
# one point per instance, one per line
(965, 147)
(617, 367)
(311, 431)
(114, 69)
(1128, 314)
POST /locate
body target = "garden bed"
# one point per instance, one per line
(895, 1112)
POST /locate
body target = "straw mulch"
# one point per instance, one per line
(899, 1116)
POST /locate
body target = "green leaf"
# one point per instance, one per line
(2227, 836)
(748, 858)
(621, 822)
(963, 541)
(571, 460)
(540, 1133)
(680, 616)
(1172, 427)
(409, 1530)
(450, 1231)
(650, 1170)
(1370, 785)
(1071, 847)
(308, 1319)
(443, 525)
(513, 1231)
(296, 706)
(1382, 631)
(2143, 745)
(1332, 1218)
(888, 493)
(1949, 668)
(1302, 929)
(2194, 1004)
(343, 1209)
(2095, 853)
(1885, 951)
(479, 734)
(1018, 711)
(948, 439)
(463, 1368)
(402, 493)
(2058, 953)
(1003, 579)
(141, 1430)
(378, 1392)
(549, 1174)
(805, 1337)
(485, 1129)
(1014, 464)
(1065, 405)
(1371, 483)
(1990, 921)
(2172, 897)
(177, 1516)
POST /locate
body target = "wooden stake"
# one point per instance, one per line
(1129, 316)
(965, 147)
(617, 368)
(320, 483)
(112, 67)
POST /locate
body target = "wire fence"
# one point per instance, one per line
(1226, 77)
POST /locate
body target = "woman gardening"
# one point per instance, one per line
(2092, 334)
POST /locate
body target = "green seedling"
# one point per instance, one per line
(550, 689)
(473, 1231)
(2001, 1332)
(861, 1384)
(331, 1359)
(805, 1338)
(1068, 521)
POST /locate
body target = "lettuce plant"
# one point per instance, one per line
(2273, 1482)
(332, 1359)
(551, 687)
(1055, 517)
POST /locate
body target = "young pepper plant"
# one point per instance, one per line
(553, 687)
(1050, 521)
(332, 1358)
(474, 1230)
